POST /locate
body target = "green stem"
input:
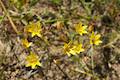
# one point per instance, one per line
(92, 60)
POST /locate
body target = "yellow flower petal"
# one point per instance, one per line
(97, 36)
(33, 66)
(39, 64)
(33, 34)
(98, 42)
(27, 65)
(26, 43)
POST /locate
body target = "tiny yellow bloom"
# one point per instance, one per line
(34, 28)
(32, 60)
(76, 49)
(67, 47)
(81, 29)
(95, 39)
(25, 43)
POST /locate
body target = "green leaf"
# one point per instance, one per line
(56, 1)
(1, 18)
(33, 2)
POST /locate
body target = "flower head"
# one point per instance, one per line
(95, 39)
(67, 47)
(34, 29)
(26, 43)
(81, 29)
(32, 60)
(76, 49)
(72, 49)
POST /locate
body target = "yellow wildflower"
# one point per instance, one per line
(33, 60)
(67, 48)
(26, 43)
(72, 50)
(81, 29)
(95, 39)
(76, 49)
(34, 29)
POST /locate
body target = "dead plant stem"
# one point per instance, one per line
(9, 18)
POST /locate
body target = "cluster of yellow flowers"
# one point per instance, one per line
(69, 48)
(76, 49)
(32, 60)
